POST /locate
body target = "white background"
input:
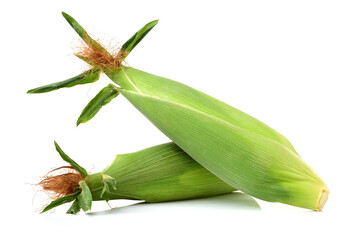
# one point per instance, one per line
(292, 64)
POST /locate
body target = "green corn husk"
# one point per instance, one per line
(157, 174)
(239, 149)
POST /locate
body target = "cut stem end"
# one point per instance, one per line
(324, 195)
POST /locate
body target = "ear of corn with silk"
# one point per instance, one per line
(157, 174)
(239, 149)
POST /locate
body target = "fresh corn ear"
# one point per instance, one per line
(239, 149)
(156, 174)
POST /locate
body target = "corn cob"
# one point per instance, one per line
(237, 148)
(157, 174)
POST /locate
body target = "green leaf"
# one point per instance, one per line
(67, 159)
(130, 44)
(60, 201)
(83, 34)
(85, 197)
(101, 99)
(89, 76)
(75, 207)
(109, 183)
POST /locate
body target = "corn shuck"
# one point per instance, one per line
(157, 174)
(237, 148)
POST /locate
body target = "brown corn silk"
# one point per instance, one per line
(61, 184)
(105, 58)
